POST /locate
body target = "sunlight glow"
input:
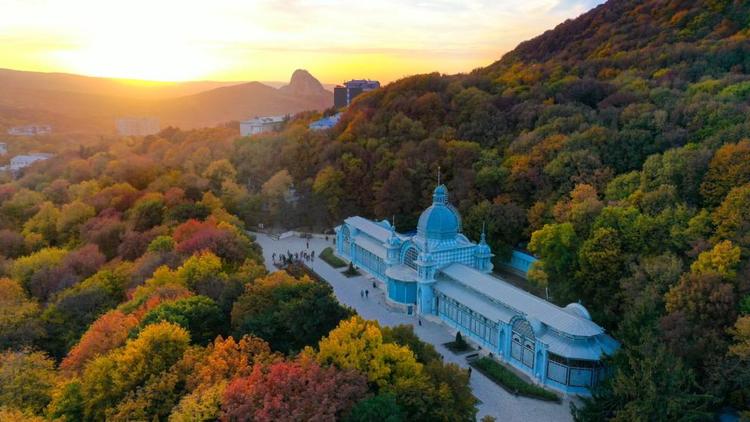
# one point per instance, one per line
(266, 40)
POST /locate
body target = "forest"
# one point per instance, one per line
(616, 148)
(130, 290)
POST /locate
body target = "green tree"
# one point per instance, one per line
(199, 315)
(26, 380)
(288, 313)
(382, 407)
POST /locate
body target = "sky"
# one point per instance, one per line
(265, 40)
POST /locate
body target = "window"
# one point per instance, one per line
(524, 342)
(347, 239)
(410, 256)
(573, 372)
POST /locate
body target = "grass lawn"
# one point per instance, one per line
(505, 378)
(332, 260)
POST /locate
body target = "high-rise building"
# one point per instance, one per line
(343, 95)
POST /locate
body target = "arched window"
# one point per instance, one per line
(410, 257)
(523, 342)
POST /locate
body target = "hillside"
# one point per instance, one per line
(242, 101)
(614, 147)
(77, 103)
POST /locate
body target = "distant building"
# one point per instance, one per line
(22, 161)
(30, 130)
(343, 95)
(3, 148)
(325, 123)
(137, 126)
(260, 125)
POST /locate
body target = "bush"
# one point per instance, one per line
(510, 381)
(459, 344)
(332, 260)
(351, 271)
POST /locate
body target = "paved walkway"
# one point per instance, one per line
(495, 401)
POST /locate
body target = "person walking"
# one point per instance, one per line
(470, 372)
(367, 293)
(419, 320)
(362, 294)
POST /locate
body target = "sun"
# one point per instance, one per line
(134, 58)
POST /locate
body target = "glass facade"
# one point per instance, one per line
(473, 322)
(573, 372)
(370, 261)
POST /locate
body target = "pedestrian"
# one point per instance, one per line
(374, 286)
(361, 294)
(307, 245)
(470, 372)
(420, 321)
(367, 293)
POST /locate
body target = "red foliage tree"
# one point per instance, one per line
(106, 333)
(193, 236)
(293, 391)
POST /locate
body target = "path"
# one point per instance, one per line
(495, 401)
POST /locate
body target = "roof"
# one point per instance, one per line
(402, 273)
(501, 292)
(590, 348)
(479, 304)
(371, 245)
(264, 120)
(326, 122)
(369, 227)
(440, 220)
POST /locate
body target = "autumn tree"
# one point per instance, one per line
(282, 392)
(199, 315)
(26, 380)
(286, 312)
(108, 379)
(107, 333)
(18, 316)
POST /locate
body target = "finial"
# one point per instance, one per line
(393, 222)
(438, 175)
(483, 232)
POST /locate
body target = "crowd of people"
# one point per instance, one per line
(282, 260)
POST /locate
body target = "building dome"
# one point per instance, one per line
(578, 310)
(440, 221)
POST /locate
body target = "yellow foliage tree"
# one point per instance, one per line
(358, 344)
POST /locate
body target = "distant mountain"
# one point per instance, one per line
(74, 103)
(242, 101)
(66, 82)
(303, 84)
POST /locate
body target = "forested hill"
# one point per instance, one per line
(609, 31)
(615, 147)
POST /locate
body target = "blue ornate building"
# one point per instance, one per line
(439, 272)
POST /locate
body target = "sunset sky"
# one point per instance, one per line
(266, 40)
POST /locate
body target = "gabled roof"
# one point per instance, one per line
(524, 303)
